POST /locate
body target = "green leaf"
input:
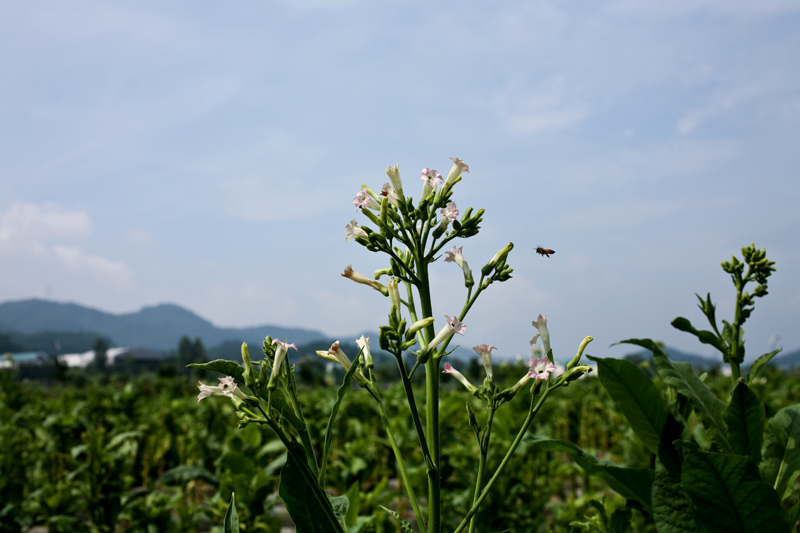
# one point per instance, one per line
(621, 520)
(703, 335)
(238, 463)
(781, 450)
(705, 404)
(302, 502)
(644, 343)
(354, 496)
(672, 509)
(231, 522)
(340, 394)
(183, 474)
(744, 417)
(223, 366)
(404, 525)
(728, 495)
(632, 483)
(636, 396)
(760, 363)
(340, 505)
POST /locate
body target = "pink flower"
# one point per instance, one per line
(485, 351)
(363, 199)
(226, 387)
(541, 368)
(460, 377)
(450, 212)
(352, 230)
(430, 179)
(458, 326)
(455, 256)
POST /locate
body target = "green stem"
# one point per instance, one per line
(431, 405)
(400, 464)
(531, 415)
(484, 449)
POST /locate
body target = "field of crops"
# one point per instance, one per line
(144, 455)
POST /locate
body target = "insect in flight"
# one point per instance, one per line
(544, 251)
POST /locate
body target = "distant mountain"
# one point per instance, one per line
(698, 362)
(159, 327)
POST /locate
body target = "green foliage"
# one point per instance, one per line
(728, 495)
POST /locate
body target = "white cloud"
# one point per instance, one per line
(549, 107)
(26, 223)
(44, 236)
(694, 118)
(112, 271)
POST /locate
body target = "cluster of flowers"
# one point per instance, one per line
(539, 368)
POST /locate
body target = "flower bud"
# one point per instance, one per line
(575, 360)
(247, 374)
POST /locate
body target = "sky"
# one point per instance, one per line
(206, 154)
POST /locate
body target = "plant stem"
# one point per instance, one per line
(431, 404)
(531, 415)
(400, 464)
(484, 449)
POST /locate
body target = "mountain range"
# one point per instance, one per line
(158, 327)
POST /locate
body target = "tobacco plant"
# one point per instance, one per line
(412, 237)
(718, 464)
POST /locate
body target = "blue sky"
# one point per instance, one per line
(206, 154)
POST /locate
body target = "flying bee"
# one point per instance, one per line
(544, 251)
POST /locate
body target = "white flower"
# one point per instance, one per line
(452, 327)
(226, 387)
(458, 168)
(364, 280)
(485, 351)
(390, 193)
(541, 325)
(394, 175)
(351, 231)
(460, 377)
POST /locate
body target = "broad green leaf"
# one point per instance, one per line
(705, 336)
(672, 509)
(760, 363)
(781, 450)
(303, 504)
(744, 417)
(183, 474)
(621, 520)
(223, 366)
(632, 483)
(404, 525)
(728, 495)
(636, 396)
(340, 394)
(644, 343)
(354, 496)
(340, 506)
(231, 522)
(705, 404)
(237, 463)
